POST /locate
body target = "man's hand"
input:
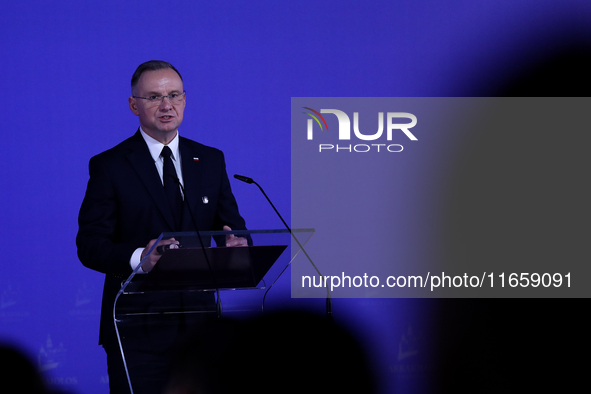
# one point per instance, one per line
(232, 240)
(154, 256)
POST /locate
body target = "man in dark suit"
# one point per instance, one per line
(133, 195)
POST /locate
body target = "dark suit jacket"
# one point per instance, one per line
(125, 206)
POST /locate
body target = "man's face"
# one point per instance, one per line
(159, 120)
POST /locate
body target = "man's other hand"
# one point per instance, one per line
(232, 240)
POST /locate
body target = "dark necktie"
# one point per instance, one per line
(171, 187)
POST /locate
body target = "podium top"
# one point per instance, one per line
(237, 232)
(192, 264)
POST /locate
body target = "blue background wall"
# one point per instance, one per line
(65, 69)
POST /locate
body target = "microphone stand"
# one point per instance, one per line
(328, 295)
(217, 289)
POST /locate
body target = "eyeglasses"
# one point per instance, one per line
(174, 98)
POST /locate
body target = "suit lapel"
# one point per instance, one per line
(192, 176)
(141, 160)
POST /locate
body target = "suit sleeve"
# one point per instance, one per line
(97, 239)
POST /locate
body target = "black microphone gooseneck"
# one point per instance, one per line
(328, 296)
(217, 289)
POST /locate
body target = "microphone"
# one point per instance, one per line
(243, 178)
(328, 297)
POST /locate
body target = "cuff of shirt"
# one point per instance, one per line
(135, 260)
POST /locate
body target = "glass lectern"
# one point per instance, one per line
(196, 281)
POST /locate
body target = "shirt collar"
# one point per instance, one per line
(155, 146)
